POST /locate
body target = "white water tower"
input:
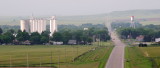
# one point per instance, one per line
(132, 22)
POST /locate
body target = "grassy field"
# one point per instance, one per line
(75, 56)
(134, 58)
(152, 53)
(142, 57)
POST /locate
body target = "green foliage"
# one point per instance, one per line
(117, 25)
(64, 34)
(57, 36)
(149, 34)
(45, 37)
(22, 36)
(35, 38)
(1, 31)
(67, 35)
(39, 53)
(7, 37)
(135, 59)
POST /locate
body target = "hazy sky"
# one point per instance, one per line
(71, 7)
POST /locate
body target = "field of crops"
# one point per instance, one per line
(20, 55)
(134, 58)
(56, 56)
(153, 53)
(142, 57)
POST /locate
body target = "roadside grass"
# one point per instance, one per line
(95, 58)
(152, 53)
(70, 56)
(36, 54)
(134, 58)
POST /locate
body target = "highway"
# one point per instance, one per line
(116, 59)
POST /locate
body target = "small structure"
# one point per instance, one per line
(72, 42)
(140, 38)
(55, 43)
(157, 40)
(142, 45)
(27, 42)
(85, 29)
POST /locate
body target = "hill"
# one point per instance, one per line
(96, 19)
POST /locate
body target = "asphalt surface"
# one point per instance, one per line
(116, 59)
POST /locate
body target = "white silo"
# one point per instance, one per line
(24, 25)
(53, 25)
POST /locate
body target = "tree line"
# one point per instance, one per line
(80, 35)
(149, 33)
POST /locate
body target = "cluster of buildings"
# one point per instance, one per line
(38, 25)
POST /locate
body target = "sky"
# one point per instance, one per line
(71, 7)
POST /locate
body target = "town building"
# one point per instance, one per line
(38, 25)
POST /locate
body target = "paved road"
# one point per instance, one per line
(116, 59)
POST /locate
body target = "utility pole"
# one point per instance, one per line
(59, 61)
(10, 61)
(40, 61)
(27, 61)
(77, 51)
(51, 58)
(65, 54)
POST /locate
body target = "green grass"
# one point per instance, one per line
(18, 54)
(153, 53)
(75, 56)
(94, 59)
(134, 58)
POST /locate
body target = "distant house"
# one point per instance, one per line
(140, 38)
(27, 42)
(72, 42)
(16, 42)
(55, 43)
(157, 40)
(85, 29)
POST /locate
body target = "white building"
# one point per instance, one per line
(157, 40)
(24, 25)
(38, 25)
(53, 25)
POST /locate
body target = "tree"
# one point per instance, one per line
(1, 40)
(78, 36)
(45, 33)
(1, 31)
(67, 35)
(35, 38)
(89, 40)
(22, 36)
(11, 30)
(8, 37)
(57, 37)
(44, 39)
(45, 36)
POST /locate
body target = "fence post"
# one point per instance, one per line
(40, 61)
(65, 54)
(27, 61)
(51, 59)
(77, 51)
(59, 61)
(10, 61)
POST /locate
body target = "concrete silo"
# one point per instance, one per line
(24, 25)
(53, 25)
